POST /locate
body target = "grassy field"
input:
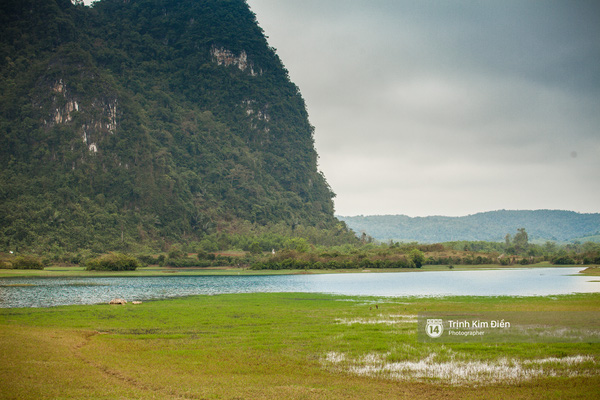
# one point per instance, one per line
(283, 346)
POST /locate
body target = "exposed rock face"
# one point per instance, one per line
(225, 57)
(99, 117)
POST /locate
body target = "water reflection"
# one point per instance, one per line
(47, 292)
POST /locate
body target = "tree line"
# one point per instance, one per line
(311, 248)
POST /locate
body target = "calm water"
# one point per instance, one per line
(47, 292)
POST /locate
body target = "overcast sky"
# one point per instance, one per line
(447, 107)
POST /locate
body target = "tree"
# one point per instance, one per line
(417, 257)
(521, 241)
(255, 248)
(550, 247)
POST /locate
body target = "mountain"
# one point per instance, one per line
(541, 225)
(136, 120)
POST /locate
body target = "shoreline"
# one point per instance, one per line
(76, 271)
(388, 285)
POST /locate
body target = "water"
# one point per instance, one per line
(47, 292)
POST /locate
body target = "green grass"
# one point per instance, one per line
(298, 346)
(592, 271)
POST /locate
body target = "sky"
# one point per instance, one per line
(447, 107)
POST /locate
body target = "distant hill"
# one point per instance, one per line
(541, 225)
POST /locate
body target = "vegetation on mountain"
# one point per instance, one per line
(147, 122)
(541, 225)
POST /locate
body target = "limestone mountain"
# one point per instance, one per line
(137, 119)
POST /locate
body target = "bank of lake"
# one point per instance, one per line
(155, 270)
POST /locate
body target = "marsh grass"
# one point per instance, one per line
(308, 346)
(433, 369)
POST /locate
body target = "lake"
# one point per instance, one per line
(48, 292)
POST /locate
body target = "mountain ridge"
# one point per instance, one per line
(541, 225)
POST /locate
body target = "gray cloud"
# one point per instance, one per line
(447, 108)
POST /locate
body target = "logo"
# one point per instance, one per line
(434, 328)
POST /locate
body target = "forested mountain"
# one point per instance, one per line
(541, 225)
(140, 119)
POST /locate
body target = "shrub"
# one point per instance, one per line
(220, 261)
(187, 263)
(113, 262)
(176, 252)
(203, 255)
(504, 261)
(27, 262)
(255, 248)
(417, 257)
(147, 259)
(563, 260)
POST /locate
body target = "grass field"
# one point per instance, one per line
(283, 346)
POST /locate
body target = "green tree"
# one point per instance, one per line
(521, 241)
(550, 248)
(298, 244)
(417, 257)
(255, 248)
